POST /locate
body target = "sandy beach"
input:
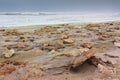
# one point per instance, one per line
(76, 51)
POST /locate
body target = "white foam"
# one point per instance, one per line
(44, 18)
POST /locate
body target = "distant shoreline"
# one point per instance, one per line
(74, 23)
(49, 18)
(32, 28)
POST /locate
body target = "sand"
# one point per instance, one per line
(49, 52)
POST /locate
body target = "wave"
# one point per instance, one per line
(26, 13)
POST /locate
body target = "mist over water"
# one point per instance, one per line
(11, 19)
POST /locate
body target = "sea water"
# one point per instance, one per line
(11, 19)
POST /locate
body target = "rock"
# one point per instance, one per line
(9, 53)
(101, 38)
(82, 50)
(83, 57)
(73, 52)
(12, 62)
(55, 45)
(64, 37)
(116, 39)
(110, 30)
(12, 32)
(52, 52)
(112, 56)
(46, 29)
(95, 60)
(2, 30)
(106, 36)
(8, 66)
(117, 28)
(107, 71)
(100, 67)
(20, 46)
(7, 40)
(24, 39)
(117, 44)
(7, 70)
(87, 45)
(68, 41)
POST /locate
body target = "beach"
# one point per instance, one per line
(71, 51)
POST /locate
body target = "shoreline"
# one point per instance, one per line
(30, 28)
(63, 23)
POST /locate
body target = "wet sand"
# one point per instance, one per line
(49, 52)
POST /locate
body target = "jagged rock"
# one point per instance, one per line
(83, 57)
(9, 53)
(68, 41)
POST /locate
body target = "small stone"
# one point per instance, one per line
(2, 30)
(9, 53)
(7, 70)
(117, 28)
(24, 39)
(87, 45)
(117, 44)
(52, 52)
(68, 41)
(100, 67)
(64, 37)
(107, 71)
(101, 38)
(82, 50)
(117, 39)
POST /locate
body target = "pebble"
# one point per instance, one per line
(68, 41)
(64, 37)
(87, 45)
(9, 53)
(117, 39)
(117, 44)
(52, 52)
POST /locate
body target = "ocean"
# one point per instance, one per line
(13, 19)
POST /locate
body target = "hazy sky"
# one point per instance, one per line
(60, 5)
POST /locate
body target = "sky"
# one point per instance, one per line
(60, 5)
